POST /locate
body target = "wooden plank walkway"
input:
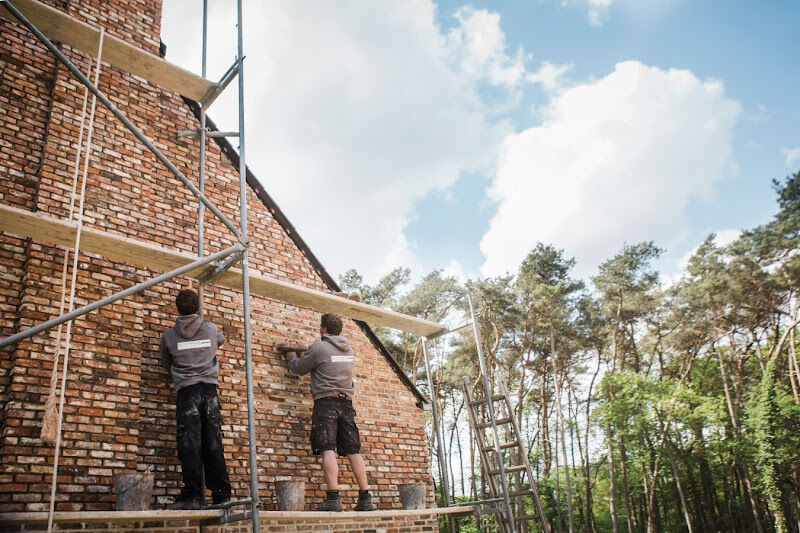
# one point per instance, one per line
(58, 26)
(64, 517)
(125, 250)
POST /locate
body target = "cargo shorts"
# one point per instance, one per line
(333, 427)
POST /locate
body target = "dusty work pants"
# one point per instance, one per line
(200, 443)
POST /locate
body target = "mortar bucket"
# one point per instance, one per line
(291, 495)
(132, 492)
(412, 495)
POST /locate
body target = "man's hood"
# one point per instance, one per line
(341, 343)
(187, 326)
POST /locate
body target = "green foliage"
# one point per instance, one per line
(673, 394)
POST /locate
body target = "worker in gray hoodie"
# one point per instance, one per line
(333, 425)
(188, 352)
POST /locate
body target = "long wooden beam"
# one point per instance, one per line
(82, 36)
(205, 514)
(50, 229)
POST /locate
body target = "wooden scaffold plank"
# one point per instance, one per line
(59, 26)
(117, 248)
(87, 517)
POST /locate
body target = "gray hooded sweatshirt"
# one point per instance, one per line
(330, 362)
(188, 351)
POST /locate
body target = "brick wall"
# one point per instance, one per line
(395, 524)
(120, 404)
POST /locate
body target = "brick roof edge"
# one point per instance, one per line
(288, 227)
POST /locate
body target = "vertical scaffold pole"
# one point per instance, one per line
(201, 209)
(248, 348)
(440, 448)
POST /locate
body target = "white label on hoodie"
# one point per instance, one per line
(188, 345)
(341, 359)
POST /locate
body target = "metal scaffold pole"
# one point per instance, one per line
(440, 449)
(201, 180)
(248, 348)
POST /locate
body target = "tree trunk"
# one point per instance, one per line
(612, 498)
(558, 484)
(546, 451)
(560, 422)
(794, 371)
(626, 495)
(587, 480)
(574, 416)
(684, 505)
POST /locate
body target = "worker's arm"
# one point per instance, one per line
(166, 358)
(306, 363)
(220, 337)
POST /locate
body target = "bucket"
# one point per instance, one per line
(132, 492)
(291, 495)
(412, 495)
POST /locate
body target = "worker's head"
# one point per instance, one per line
(330, 324)
(187, 302)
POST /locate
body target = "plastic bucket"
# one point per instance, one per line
(412, 495)
(291, 495)
(132, 492)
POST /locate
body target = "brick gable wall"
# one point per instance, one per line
(120, 403)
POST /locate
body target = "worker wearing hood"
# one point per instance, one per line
(188, 353)
(333, 427)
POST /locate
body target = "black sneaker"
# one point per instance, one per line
(364, 503)
(186, 505)
(330, 505)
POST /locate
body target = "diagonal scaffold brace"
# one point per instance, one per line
(139, 287)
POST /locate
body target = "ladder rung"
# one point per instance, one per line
(508, 470)
(482, 502)
(503, 446)
(497, 422)
(520, 493)
(495, 398)
(491, 510)
(526, 517)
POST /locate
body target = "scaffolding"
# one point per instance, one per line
(42, 20)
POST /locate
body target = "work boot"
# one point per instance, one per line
(364, 501)
(219, 500)
(333, 502)
(186, 505)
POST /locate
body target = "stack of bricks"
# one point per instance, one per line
(119, 413)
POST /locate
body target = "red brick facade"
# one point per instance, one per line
(366, 524)
(119, 414)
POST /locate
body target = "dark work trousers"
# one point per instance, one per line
(200, 443)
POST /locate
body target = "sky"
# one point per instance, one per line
(457, 135)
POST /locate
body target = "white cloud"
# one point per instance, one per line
(354, 111)
(550, 75)
(760, 116)
(454, 269)
(614, 161)
(597, 11)
(792, 155)
(478, 46)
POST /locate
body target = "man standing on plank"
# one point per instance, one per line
(333, 425)
(188, 352)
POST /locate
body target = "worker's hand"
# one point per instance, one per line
(290, 349)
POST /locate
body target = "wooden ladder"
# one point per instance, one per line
(504, 462)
